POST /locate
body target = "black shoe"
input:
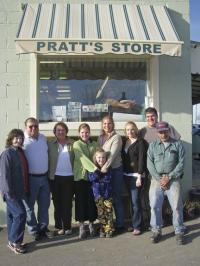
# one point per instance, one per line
(119, 230)
(37, 236)
(155, 238)
(180, 239)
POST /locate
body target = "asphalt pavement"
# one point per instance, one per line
(121, 250)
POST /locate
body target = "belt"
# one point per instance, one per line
(38, 175)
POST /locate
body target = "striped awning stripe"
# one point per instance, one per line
(135, 29)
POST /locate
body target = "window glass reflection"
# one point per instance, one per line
(77, 91)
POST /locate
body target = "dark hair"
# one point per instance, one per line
(63, 125)
(84, 125)
(99, 150)
(30, 119)
(151, 110)
(12, 134)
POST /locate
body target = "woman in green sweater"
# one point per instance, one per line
(85, 208)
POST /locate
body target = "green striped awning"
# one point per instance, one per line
(97, 29)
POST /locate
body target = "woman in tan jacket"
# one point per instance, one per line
(111, 142)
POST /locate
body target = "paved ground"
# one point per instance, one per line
(121, 250)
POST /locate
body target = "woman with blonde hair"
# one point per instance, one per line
(134, 156)
(111, 142)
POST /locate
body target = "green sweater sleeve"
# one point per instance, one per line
(81, 150)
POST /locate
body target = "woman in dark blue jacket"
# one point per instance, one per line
(13, 186)
(134, 155)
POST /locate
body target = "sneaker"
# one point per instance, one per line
(109, 234)
(92, 230)
(155, 238)
(82, 232)
(61, 232)
(37, 236)
(136, 232)
(102, 234)
(68, 232)
(16, 248)
(180, 239)
(119, 230)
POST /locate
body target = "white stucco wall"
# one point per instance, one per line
(174, 78)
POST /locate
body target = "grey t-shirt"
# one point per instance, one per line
(150, 133)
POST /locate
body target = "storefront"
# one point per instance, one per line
(93, 59)
(75, 61)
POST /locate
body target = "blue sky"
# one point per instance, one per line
(195, 20)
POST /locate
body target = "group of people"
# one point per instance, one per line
(32, 169)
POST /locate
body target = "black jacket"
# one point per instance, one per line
(135, 159)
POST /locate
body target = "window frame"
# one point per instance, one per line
(152, 98)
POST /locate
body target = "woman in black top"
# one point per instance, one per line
(134, 153)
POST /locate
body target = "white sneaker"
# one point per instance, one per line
(68, 232)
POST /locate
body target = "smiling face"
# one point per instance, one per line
(100, 158)
(107, 125)
(131, 131)
(17, 141)
(151, 119)
(32, 128)
(164, 135)
(84, 134)
(60, 133)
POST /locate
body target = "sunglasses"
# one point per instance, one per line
(33, 126)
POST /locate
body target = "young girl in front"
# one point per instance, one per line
(101, 187)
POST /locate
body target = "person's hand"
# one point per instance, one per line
(104, 170)
(138, 182)
(164, 182)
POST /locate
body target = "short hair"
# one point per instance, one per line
(63, 125)
(12, 134)
(134, 127)
(151, 110)
(109, 118)
(31, 119)
(83, 125)
(99, 150)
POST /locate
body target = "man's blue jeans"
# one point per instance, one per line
(156, 196)
(40, 193)
(117, 186)
(16, 220)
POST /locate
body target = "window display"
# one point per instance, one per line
(86, 90)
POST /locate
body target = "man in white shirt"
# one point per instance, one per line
(36, 151)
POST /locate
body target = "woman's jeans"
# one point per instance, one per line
(135, 201)
(156, 196)
(16, 220)
(117, 186)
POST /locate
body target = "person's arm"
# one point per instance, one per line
(115, 149)
(85, 161)
(6, 174)
(150, 162)
(142, 156)
(178, 170)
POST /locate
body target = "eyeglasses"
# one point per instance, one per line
(33, 126)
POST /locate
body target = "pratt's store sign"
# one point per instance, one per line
(97, 47)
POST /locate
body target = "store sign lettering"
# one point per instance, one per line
(98, 47)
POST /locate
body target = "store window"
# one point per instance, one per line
(77, 90)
